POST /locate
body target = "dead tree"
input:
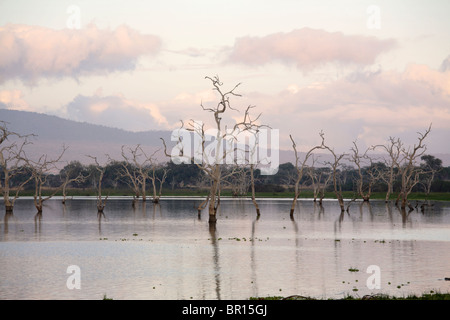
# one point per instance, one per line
(69, 177)
(203, 183)
(155, 177)
(301, 167)
(393, 149)
(431, 167)
(40, 170)
(248, 162)
(11, 163)
(368, 175)
(135, 169)
(320, 179)
(138, 167)
(252, 157)
(240, 182)
(129, 173)
(323, 186)
(409, 170)
(209, 164)
(335, 164)
(315, 179)
(101, 202)
(252, 185)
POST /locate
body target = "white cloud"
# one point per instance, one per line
(116, 111)
(32, 52)
(370, 107)
(13, 99)
(308, 48)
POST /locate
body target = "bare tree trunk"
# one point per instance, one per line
(11, 150)
(252, 181)
(67, 180)
(101, 203)
(388, 192)
(211, 166)
(9, 204)
(161, 183)
(202, 206)
(367, 179)
(39, 172)
(300, 168)
(137, 168)
(143, 189)
(409, 170)
(338, 192)
(336, 184)
(393, 149)
(214, 197)
(315, 182)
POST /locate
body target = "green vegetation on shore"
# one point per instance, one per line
(306, 194)
(424, 296)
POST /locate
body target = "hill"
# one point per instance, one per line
(83, 138)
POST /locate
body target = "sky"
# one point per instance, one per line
(360, 71)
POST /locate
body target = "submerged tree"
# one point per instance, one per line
(134, 169)
(252, 186)
(409, 170)
(249, 162)
(335, 174)
(158, 175)
(98, 179)
(40, 170)
(137, 168)
(367, 173)
(431, 167)
(320, 178)
(11, 154)
(300, 168)
(240, 182)
(70, 174)
(211, 158)
(393, 149)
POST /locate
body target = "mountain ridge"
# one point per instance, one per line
(18, 120)
(83, 138)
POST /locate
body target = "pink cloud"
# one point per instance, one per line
(13, 99)
(308, 48)
(30, 52)
(116, 111)
(370, 107)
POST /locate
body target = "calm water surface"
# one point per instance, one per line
(166, 252)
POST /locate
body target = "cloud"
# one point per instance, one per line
(13, 99)
(116, 111)
(445, 66)
(369, 107)
(191, 52)
(308, 48)
(32, 52)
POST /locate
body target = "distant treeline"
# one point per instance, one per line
(189, 176)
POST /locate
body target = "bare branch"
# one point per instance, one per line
(301, 167)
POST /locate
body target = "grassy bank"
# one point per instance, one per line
(424, 296)
(435, 196)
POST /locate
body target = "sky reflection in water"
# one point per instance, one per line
(166, 252)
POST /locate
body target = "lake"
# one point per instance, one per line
(166, 251)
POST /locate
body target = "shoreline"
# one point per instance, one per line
(190, 193)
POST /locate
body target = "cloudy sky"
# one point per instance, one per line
(358, 70)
